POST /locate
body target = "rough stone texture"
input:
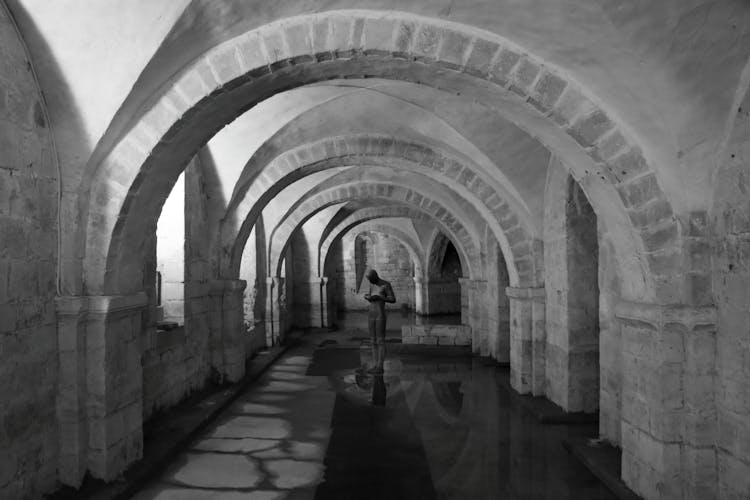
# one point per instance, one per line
(436, 334)
(668, 407)
(382, 253)
(29, 437)
(527, 340)
(253, 271)
(572, 295)
(443, 273)
(730, 219)
(498, 305)
(177, 362)
(673, 389)
(610, 345)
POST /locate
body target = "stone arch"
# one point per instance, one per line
(370, 223)
(443, 295)
(236, 74)
(388, 193)
(436, 252)
(572, 305)
(510, 224)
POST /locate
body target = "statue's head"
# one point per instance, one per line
(372, 276)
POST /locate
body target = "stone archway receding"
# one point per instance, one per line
(571, 250)
(510, 225)
(462, 237)
(124, 192)
(364, 39)
(444, 292)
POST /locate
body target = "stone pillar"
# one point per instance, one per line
(310, 313)
(474, 313)
(228, 297)
(275, 310)
(325, 321)
(114, 383)
(71, 396)
(668, 408)
(421, 295)
(465, 289)
(527, 339)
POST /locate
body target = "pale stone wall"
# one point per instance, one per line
(610, 344)
(498, 305)
(29, 354)
(572, 295)
(253, 271)
(443, 335)
(389, 258)
(170, 254)
(731, 266)
(178, 362)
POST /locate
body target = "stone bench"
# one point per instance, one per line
(436, 334)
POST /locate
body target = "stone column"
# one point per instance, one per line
(325, 321)
(310, 313)
(421, 295)
(275, 310)
(114, 383)
(474, 313)
(71, 396)
(527, 339)
(465, 288)
(232, 328)
(668, 408)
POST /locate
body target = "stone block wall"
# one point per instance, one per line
(393, 263)
(610, 345)
(498, 305)
(731, 282)
(444, 296)
(572, 294)
(668, 408)
(29, 437)
(253, 271)
(443, 335)
(178, 362)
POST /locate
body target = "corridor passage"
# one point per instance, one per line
(438, 425)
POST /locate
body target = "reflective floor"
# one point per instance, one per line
(354, 323)
(317, 426)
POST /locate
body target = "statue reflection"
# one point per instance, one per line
(379, 392)
(362, 383)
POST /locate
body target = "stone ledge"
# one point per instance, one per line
(455, 335)
(604, 461)
(166, 435)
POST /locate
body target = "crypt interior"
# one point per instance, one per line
(557, 191)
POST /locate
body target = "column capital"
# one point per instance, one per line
(658, 315)
(525, 293)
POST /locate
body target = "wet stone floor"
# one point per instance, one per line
(434, 426)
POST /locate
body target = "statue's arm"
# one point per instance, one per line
(388, 295)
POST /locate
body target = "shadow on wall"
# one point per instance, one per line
(67, 127)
